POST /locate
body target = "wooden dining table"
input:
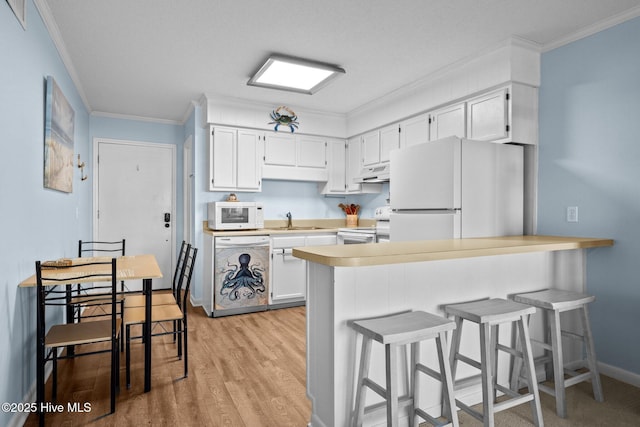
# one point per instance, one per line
(130, 267)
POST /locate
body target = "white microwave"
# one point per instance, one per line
(235, 215)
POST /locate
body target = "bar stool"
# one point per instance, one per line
(554, 302)
(489, 314)
(396, 331)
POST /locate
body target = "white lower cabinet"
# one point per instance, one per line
(288, 273)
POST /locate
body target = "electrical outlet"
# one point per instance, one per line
(572, 214)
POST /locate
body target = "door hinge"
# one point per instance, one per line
(507, 96)
(98, 214)
(508, 127)
(430, 119)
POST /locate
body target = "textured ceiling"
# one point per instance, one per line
(151, 58)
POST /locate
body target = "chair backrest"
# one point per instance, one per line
(186, 273)
(88, 248)
(177, 274)
(102, 274)
(95, 248)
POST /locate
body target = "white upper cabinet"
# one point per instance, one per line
(295, 157)
(353, 165)
(337, 168)
(376, 145)
(279, 149)
(249, 161)
(488, 115)
(312, 151)
(447, 121)
(508, 114)
(235, 160)
(344, 165)
(370, 148)
(414, 130)
(389, 140)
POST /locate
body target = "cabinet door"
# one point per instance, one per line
(312, 152)
(353, 164)
(389, 140)
(248, 159)
(414, 130)
(487, 116)
(448, 121)
(280, 150)
(288, 273)
(336, 167)
(370, 148)
(223, 155)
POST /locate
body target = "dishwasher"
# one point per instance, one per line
(241, 275)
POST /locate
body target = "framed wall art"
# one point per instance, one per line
(58, 140)
(19, 8)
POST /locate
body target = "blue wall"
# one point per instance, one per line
(36, 223)
(589, 157)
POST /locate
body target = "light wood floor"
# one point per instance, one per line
(249, 370)
(246, 370)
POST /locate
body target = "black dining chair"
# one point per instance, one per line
(84, 297)
(161, 298)
(162, 315)
(102, 275)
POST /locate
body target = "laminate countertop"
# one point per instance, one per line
(300, 226)
(431, 250)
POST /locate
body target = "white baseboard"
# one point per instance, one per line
(619, 374)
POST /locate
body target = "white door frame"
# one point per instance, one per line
(171, 147)
(187, 188)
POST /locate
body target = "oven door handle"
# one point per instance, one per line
(356, 237)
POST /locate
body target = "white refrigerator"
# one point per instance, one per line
(456, 188)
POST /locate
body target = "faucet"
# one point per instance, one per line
(289, 221)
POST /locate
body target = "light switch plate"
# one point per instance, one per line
(572, 214)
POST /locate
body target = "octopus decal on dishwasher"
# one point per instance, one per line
(243, 281)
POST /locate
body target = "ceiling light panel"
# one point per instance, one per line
(294, 74)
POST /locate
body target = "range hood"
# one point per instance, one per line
(378, 173)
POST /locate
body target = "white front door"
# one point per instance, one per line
(135, 200)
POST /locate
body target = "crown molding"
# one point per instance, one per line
(593, 29)
(136, 118)
(56, 37)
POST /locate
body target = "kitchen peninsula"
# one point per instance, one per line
(356, 281)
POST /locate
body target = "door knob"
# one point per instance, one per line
(167, 220)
